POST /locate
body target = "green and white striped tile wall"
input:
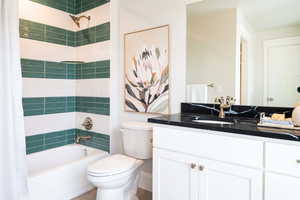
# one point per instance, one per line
(42, 68)
(72, 6)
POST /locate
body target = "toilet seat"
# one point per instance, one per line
(112, 165)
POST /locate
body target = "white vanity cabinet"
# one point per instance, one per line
(189, 165)
(179, 176)
(196, 164)
(282, 180)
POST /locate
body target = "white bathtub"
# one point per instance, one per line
(60, 173)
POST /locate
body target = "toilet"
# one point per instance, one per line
(117, 176)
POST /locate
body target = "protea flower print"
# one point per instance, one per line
(147, 81)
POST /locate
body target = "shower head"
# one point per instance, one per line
(77, 19)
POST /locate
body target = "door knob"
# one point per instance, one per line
(270, 99)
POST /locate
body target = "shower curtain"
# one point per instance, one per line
(13, 184)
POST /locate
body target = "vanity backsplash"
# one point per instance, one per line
(235, 110)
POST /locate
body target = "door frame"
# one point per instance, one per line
(267, 44)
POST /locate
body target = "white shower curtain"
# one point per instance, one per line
(13, 184)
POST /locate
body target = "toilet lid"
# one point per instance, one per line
(112, 165)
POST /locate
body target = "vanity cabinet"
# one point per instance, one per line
(282, 179)
(204, 166)
(180, 176)
(196, 164)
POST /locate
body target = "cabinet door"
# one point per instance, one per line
(281, 187)
(174, 176)
(218, 181)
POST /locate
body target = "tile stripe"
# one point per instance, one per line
(99, 141)
(63, 5)
(53, 105)
(48, 105)
(72, 6)
(41, 142)
(45, 69)
(91, 70)
(56, 70)
(45, 33)
(96, 105)
(85, 5)
(92, 35)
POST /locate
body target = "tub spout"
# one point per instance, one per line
(79, 137)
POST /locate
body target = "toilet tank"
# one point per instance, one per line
(137, 139)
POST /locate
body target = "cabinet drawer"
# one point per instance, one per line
(283, 158)
(209, 145)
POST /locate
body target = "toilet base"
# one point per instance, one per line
(114, 194)
(127, 192)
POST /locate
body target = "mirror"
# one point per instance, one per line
(247, 49)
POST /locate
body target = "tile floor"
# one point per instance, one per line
(91, 195)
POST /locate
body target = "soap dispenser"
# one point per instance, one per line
(296, 115)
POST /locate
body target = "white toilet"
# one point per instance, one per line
(117, 176)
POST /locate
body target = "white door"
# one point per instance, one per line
(174, 176)
(218, 181)
(282, 72)
(280, 187)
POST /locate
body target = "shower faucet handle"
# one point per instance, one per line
(88, 123)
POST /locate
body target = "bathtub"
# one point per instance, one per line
(60, 173)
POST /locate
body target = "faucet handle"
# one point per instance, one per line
(230, 100)
(88, 123)
(219, 100)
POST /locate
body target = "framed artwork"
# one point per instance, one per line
(146, 71)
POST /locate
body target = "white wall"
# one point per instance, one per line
(133, 15)
(212, 50)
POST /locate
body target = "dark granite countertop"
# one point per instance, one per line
(242, 126)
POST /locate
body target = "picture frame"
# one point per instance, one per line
(147, 71)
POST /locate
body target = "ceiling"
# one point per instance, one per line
(260, 14)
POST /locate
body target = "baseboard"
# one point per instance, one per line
(146, 181)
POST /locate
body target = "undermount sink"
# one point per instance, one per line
(213, 122)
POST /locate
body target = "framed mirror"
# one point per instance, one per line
(247, 49)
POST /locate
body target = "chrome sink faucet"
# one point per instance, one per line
(224, 103)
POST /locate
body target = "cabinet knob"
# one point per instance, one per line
(201, 168)
(298, 161)
(193, 165)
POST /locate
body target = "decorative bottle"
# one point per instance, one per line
(296, 115)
